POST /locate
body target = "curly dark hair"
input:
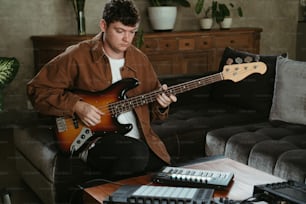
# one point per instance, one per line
(123, 11)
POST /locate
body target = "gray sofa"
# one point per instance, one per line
(259, 121)
(225, 118)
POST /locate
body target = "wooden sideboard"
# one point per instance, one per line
(171, 53)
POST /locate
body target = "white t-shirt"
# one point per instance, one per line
(127, 117)
(123, 118)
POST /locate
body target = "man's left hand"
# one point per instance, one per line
(164, 100)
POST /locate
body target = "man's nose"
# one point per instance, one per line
(127, 36)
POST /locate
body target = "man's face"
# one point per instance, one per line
(117, 37)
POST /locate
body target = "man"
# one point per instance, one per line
(95, 65)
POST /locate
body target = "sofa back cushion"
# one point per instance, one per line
(289, 99)
(254, 92)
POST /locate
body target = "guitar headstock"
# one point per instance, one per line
(237, 72)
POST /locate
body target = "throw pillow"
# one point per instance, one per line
(254, 92)
(289, 99)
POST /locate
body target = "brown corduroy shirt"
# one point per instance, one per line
(85, 66)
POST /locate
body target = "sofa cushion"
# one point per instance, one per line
(289, 97)
(274, 148)
(58, 174)
(292, 165)
(255, 91)
(39, 147)
(185, 129)
(265, 158)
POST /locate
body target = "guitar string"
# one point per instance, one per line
(121, 106)
(117, 107)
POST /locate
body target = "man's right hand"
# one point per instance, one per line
(89, 114)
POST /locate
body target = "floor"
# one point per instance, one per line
(9, 178)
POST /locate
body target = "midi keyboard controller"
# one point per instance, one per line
(180, 176)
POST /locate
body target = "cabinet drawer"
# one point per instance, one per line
(204, 43)
(165, 64)
(197, 63)
(149, 45)
(168, 44)
(232, 41)
(186, 44)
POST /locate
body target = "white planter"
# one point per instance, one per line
(226, 23)
(163, 17)
(206, 23)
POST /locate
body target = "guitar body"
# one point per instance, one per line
(71, 133)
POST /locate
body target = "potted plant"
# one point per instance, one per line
(162, 13)
(78, 7)
(222, 13)
(206, 22)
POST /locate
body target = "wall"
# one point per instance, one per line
(22, 19)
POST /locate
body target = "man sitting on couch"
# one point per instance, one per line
(95, 65)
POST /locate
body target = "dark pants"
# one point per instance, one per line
(117, 156)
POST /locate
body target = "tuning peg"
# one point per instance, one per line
(248, 59)
(257, 58)
(238, 60)
(229, 61)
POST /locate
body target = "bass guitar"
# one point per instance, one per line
(72, 134)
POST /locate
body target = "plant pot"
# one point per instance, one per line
(206, 23)
(162, 18)
(226, 23)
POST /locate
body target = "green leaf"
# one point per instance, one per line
(240, 12)
(184, 3)
(155, 3)
(214, 8)
(199, 6)
(139, 38)
(8, 70)
(224, 10)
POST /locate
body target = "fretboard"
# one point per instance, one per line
(128, 104)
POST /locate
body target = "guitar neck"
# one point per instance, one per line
(193, 84)
(130, 103)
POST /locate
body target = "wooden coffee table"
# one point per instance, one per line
(245, 178)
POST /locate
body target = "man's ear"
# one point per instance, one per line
(102, 25)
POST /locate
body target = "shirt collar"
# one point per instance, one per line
(129, 56)
(96, 50)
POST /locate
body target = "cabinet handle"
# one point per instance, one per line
(232, 41)
(187, 44)
(204, 43)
